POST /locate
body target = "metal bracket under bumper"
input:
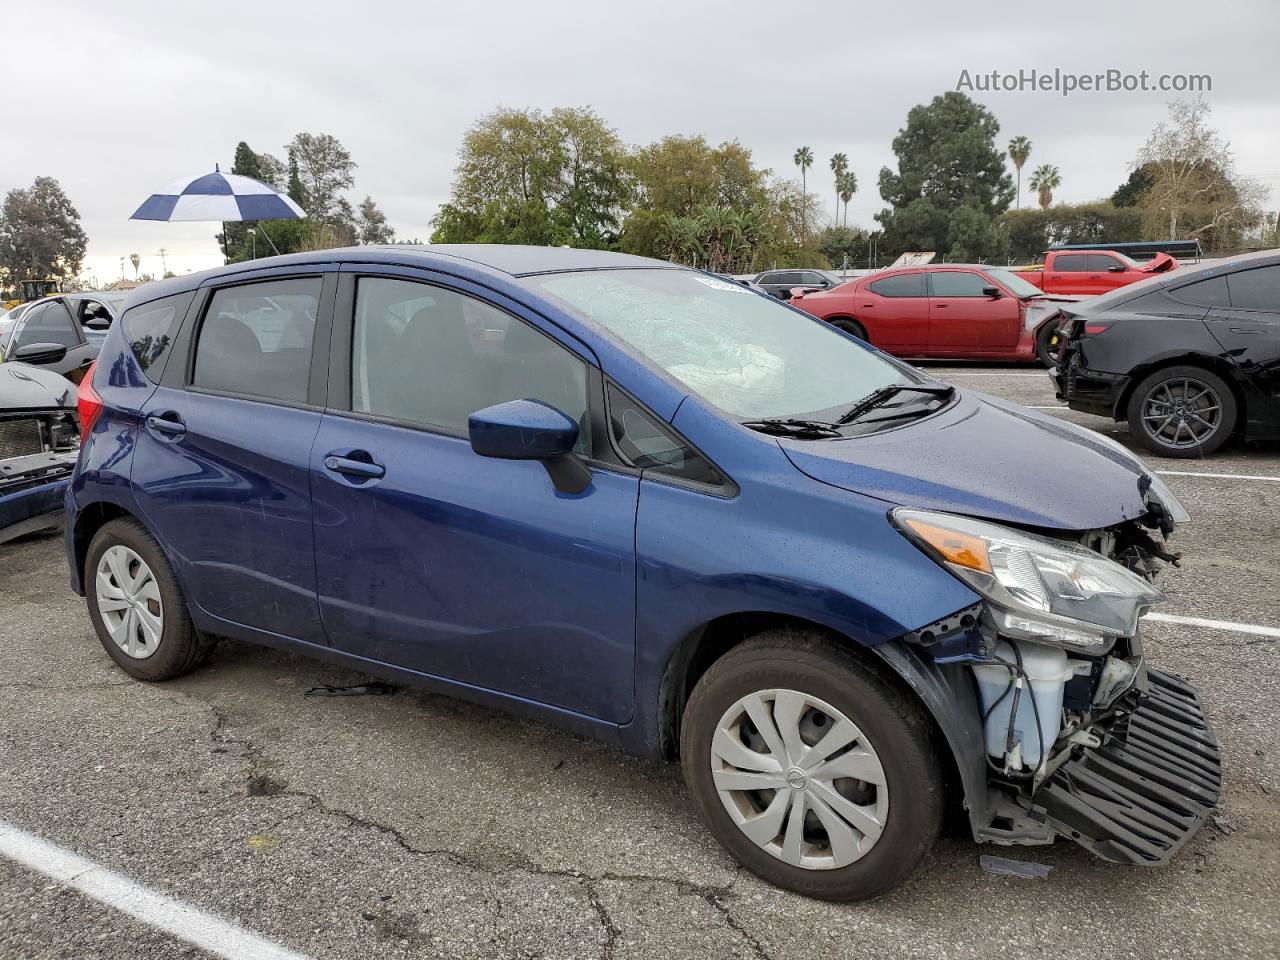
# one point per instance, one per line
(1150, 786)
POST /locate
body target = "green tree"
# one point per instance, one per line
(271, 234)
(1019, 151)
(951, 184)
(1044, 180)
(40, 233)
(528, 177)
(804, 160)
(324, 169)
(1130, 193)
(848, 184)
(136, 261)
(842, 246)
(371, 224)
(1033, 231)
(839, 164)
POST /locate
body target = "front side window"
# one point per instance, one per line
(150, 328)
(256, 339)
(1102, 262)
(748, 355)
(1016, 284)
(1256, 289)
(902, 285)
(433, 357)
(957, 283)
(1071, 263)
(48, 323)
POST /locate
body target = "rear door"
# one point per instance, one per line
(894, 310)
(221, 465)
(433, 558)
(1249, 331)
(963, 319)
(1068, 273)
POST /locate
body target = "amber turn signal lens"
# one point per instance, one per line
(962, 549)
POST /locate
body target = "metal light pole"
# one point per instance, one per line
(253, 238)
(163, 267)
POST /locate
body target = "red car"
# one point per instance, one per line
(1090, 272)
(943, 311)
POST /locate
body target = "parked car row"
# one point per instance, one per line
(663, 509)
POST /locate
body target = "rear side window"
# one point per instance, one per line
(645, 444)
(1257, 289)
(1205, 293)
(902, 285)
(150, 329)
(256, 339)
(1071, 263)
(955, 283)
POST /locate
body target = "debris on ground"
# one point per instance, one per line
(1003, 867)
(360, 690)
(1222, 824)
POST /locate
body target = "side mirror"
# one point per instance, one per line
(40, 353)
(531, 430)
(1116, 268)
(992, 292)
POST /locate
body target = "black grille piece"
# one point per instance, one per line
(1150, 786)
(18, 438)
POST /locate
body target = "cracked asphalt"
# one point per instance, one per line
(417, 826)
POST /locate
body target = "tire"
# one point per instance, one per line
(852, 327)
(1165, 422)
(1044, 353)
(767, 673)
(128, 576)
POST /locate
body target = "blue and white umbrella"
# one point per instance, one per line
(219, 196)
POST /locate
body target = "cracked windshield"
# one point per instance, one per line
(748, 355)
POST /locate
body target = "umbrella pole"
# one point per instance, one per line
(258, 224)
(226, 254)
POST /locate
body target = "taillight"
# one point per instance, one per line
(1094, 328)
(89, 403)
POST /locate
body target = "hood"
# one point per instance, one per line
(983, 457)
(1160, 263)
(26, 387)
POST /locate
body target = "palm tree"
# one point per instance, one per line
(839, 164)
(1045, 179)
(135, 260)
(804, 160)
(848, 184)
(1019, 150)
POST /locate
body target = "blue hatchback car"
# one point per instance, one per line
(662, 509)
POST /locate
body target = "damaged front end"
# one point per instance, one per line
(1082, 739)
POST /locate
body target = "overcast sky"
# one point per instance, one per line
(118, 99)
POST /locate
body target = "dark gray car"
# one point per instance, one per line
(61, 333)
(779, 283)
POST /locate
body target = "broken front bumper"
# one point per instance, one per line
(1147, 789)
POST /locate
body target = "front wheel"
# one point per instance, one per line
(1182, 412)
(810, 769)
(1046, 348)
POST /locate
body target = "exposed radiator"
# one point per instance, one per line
(19, 438)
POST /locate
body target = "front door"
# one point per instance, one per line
(433, 558)
(965, 319)
(1249, 331)
(222, 458)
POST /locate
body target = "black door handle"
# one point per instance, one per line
(168, 422)
(351, 467)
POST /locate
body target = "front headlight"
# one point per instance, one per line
(1039, 589)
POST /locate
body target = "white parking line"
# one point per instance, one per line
(991, 373)
(1255, 629)
(204, 930)
(1217, 476)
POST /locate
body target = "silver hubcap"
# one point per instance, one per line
(799, 779)
(1182, 413)
(129, 601)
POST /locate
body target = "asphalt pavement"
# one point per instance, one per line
(414, 825)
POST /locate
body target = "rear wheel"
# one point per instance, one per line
(852, 327)
(1182, 412)
(811, 770)
(136, 605)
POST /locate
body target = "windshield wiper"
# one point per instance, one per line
(789, 427)
(885, 394)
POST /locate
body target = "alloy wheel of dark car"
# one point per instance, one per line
(811, 770)
(1182, 412)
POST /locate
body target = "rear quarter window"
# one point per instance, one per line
(150, 328)
(903, 285)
